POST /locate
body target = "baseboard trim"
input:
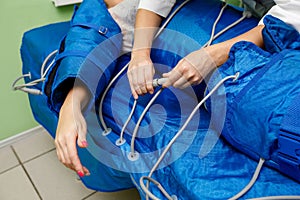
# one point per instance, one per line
(10, 140)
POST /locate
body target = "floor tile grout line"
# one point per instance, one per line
(35, 157)
(20, 136)
(84, 198)
(26, 172)
(4, 171)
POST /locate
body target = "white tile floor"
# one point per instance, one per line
(29, 170)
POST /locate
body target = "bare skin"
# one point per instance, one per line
(141, 71)
(72, 128)
(190, 70)
(193, 68)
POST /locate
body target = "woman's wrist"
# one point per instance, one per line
(140, 52)
(78, 97)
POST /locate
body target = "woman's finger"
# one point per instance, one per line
(75, 163)
(86, 171)
(59, 153)
(60, 148)
(82, 130)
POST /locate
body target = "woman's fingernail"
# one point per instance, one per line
(84, 143)
(80, 173)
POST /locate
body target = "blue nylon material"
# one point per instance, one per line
(277, 36)
(78, 38)
(263, 96)
(289, 141)
(290, 122)
(224, 170)
(35, 47)
(30, 58)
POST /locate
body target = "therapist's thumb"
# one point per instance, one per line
(167, 82)
(171, 77)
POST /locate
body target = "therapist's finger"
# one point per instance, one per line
(192, 77)
(136, 73)
(185, 85)
(141, 83)
(175, 74)
(171, 77)
(132, 83)
(181, 82)
(167, 83)
(134, 94)
(137, 81)
(149, 72)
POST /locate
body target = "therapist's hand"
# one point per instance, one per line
(140, 73)
(190, 70)
(71, 129)
(197, 65)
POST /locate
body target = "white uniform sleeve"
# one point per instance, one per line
(160, 7)
(288, 11)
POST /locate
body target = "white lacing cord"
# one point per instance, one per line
(121, 140)
(26, 87)
(106, 129)
(246, 14)
(157, 184)
(136, 128)
(156, 82)
(104, 126)
(252, 181)
(212, 37)
(234, 77)
(44, 72)
(214, 26)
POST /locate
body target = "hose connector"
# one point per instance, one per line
(159, 82)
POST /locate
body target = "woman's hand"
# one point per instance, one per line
(71, 129)
(140, 74)
(190, 70)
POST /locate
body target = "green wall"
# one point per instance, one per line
(16, 17)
